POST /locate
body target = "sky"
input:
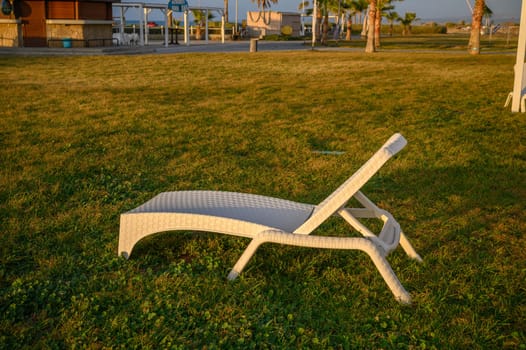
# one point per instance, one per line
(438, 9)
(425, 9)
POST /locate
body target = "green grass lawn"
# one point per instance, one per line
(84, 139)
(451, 42)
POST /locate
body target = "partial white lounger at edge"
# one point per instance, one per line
(267, 219)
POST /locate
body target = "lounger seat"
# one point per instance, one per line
(272, 212)
(272, 220)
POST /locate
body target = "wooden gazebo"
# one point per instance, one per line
(39, 23)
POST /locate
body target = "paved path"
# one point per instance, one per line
(195, 46)
(202, 46)
(235, 46)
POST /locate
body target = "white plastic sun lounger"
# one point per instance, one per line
(267, 219)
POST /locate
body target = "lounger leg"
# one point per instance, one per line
(389, 276)
(362, 244)
(408, 248)
(243, 260)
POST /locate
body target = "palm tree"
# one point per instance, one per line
(319, 20)
(391, 16)
(325, 7)
(476, 22)
(378, 22)
(406, 22)
(303, 7)
(316, 27)
(337, 7)
(365, 21)
(264, 4)
(350, 8)
(370, 46)
(381, 7)
(199, 18)
(331, 6)
(325, 24)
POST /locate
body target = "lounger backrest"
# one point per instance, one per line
(343, 194)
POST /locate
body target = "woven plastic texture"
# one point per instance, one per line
(273, 212)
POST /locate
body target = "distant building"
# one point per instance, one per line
(38, 23)
(262, 23)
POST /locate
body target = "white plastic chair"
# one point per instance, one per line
(272, 220)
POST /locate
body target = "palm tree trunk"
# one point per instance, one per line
(225, 2)
(349, 28)
(370, 47)
(476, 21)
(319, 20)
(325, 28)
(364, 20)
(378, 24)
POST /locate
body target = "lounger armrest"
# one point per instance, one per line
(395, 144)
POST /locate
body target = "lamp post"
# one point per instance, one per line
(235, 27)
(313, 27)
